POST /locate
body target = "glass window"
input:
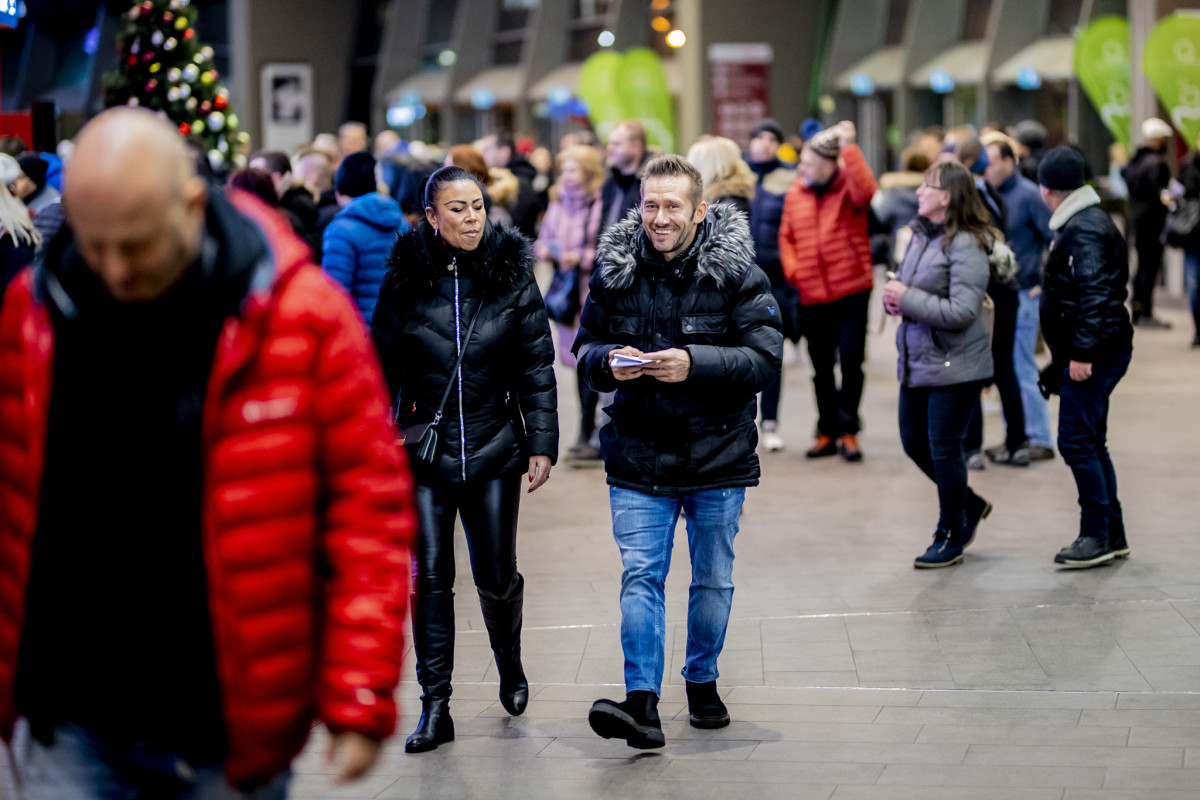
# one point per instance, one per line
(506, 53)
(897, 17)
(514, 14)
(440, 25)
(975, 20)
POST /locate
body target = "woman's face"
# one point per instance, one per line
(457, 213)
(572, 174)
(932, 199)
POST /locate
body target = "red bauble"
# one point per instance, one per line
(189, 34)
(168, 16)
(147, 7)
(131, 61)
(151, 85)
(147, 57)
(184, 128)
(220, 101)
(205, 107)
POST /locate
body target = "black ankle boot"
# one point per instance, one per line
(635, 720)
(503, 621)
(705, 709)
(434, 728)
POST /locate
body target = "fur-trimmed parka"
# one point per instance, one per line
(509, 408)
(712, 301)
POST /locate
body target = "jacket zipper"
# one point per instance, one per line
(462, 430)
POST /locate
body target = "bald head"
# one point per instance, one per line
(134, 203)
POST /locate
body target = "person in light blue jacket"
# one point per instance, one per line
(357, 242)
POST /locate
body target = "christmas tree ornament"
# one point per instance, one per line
(209, 78)
(147, 7)
(216, 121)
(239, 161)
(205, 108)
(206, 52)
(223, 146)
(156, 38)
(198, 126)
(184, 128)
(181, 23)
(216, 159)
(155, 67)
(167, 17)
(191, 103)
(170, 44)
(199, 59)
(220, 101)
(133, 101)
(189, 34)
(148, 56)
(190, 73)
(231, 120)
(185, 91)
(151, 85)
(243, 137)
(131, 61)
(174, 74)
(173, 94)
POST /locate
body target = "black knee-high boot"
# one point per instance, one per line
(433, 640)
(503, 620)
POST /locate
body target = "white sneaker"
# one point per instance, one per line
(772, 441)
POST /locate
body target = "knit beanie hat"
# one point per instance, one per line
(768, 126)
(810, 128)
(1062, 169)
(34, 168)
(356, 175)
(825, 144)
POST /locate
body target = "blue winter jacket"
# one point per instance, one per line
(357, 243)
(1028, 225)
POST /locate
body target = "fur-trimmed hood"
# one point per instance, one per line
(901, 180)
(503, 261)
(722, 250)
(736, 185)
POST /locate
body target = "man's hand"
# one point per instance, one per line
(570, 259)
(627, 373)
(353, 754)
(669, 366)
(539, 471)
(846, 133)
(1079, 371)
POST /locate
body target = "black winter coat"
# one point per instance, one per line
(509, 408)
(713, 301)
(1083, 309)
(1146, 175)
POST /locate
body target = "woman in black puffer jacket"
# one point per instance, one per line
(500, 420)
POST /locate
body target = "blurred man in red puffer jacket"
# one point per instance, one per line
(204, 519)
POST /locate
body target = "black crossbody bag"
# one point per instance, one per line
(426, 433)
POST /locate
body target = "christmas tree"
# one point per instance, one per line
(161, 66)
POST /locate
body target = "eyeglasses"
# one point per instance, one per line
(929, 185)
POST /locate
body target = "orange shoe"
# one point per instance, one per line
(822, 446)
(848, 446)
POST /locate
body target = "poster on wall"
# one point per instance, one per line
(741, 88)
(287, 106)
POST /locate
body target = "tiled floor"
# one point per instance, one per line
(848, 674)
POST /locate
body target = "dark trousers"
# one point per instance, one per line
(837, 334)
(1005, 378)
(788, 300)
(588, 400)
(1149, 253)
(489, 515)
(1083, 442)
(933, 423)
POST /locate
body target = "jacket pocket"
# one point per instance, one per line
(704, 326)
(625, 324)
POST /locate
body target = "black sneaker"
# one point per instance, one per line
(705, 709)
(1084, 552)
(1039, 452)
(635, 720)
(1152, 323)
(1119, 546)
(944, 552)
(978, 510)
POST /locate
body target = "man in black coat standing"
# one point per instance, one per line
(1147, 175)
(681, 323)
(1091, 341)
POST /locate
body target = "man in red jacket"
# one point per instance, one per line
(204, 519)
(827, 256)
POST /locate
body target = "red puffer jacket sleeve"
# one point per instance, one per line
(368, 524)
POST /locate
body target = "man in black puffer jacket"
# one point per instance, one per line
(681, 323)
(1091, 340)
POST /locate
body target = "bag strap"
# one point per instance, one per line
(437, 415)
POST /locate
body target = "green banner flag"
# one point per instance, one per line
(1102, 64)
(599, 88)
(1172, 63)
(646, 96)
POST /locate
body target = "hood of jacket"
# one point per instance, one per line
(901, 180)
(374, 209)
(722, 251)
(503, 261)
(734, 186)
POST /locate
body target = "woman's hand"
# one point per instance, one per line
(539, 471)
(351, 755)
(893, 290)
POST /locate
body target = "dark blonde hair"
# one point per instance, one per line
(470, 159)
(965, 211)
(589, 161)
(673, 166)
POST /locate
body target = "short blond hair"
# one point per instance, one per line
(588, 159)
(718, 159)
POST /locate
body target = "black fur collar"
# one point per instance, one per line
(502, 262)
(724, 255)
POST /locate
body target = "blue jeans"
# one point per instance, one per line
(1082, 440)
(81, 766)
(644, 527)
(1191, 281)
(1037, 410)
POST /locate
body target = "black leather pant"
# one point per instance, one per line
(489, 515)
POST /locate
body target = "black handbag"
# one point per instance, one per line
(562, 298)
(1181, 222)
(426, 433)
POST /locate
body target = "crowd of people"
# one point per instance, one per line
(260, 344)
